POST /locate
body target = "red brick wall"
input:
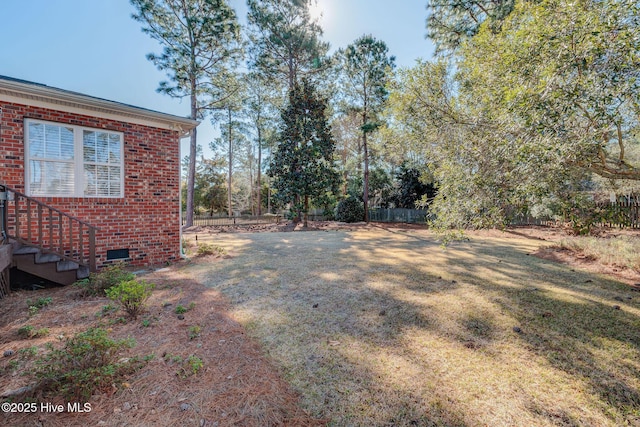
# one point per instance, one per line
(146, 219)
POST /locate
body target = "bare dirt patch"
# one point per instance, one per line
(235, 386)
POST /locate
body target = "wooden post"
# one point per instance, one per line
(92, 250)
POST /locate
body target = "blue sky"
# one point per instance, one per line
(94, 47)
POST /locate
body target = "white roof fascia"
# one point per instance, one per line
(32, 94)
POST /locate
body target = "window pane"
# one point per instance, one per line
(49, 178)
(114, 148)
(89, 146)
(103, 180)
(102, 148)
(58, 142)
(66, 144)
(90, 181)
(114, 178)
(51, 142)
(36, 139)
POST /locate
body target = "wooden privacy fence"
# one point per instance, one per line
(243, 220)
(624, 214)
(398, 215)
(621, 214)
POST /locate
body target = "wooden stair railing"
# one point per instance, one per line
(33, 223)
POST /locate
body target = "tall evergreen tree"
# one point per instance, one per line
(259, 111)
(367, 68)
(232, 136)
(201, 48)
(450, 23)
(302, 165)
(285, 40)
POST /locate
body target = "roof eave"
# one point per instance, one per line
(60, 98)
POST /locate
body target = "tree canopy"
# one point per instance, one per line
(451, 23)
(533, 108)
(285, 41)
(302, 165)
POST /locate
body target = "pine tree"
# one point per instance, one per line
(367, 68)
(285, 41)
(201, 47)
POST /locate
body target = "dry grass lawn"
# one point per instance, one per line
(385, 327)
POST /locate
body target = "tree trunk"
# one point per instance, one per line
(306, 211)
(365, 196)
(191, 172)
(269, 187)
(296, 206)
(259, 171)
(252, 187)
(230, 209)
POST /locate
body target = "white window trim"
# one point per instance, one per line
(79, 163)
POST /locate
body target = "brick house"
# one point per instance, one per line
(76, 168)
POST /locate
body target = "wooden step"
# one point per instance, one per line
(5, 256)
(49, 270)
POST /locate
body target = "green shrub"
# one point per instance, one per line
(207, 249)
(350, 209)
(194, 332)
(131, 295)
(28, 352)
(85, 362)
(191, 366)
(40, 302)
(98, 283)
(180, 309)
(106, 310)
(28, 331)
(42, 332)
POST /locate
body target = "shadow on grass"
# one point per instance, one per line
(374, 292)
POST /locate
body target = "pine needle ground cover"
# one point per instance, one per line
(385, 327)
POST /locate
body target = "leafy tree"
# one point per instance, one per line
(461, 148)
(201, 47)
(450, 23)
(302, 165)
(210, 190)
(534, 109)
(411, 188)
(367, 68)
(380, 187)
(285, 41)
(564, 75)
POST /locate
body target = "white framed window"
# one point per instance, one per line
(73, 161)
